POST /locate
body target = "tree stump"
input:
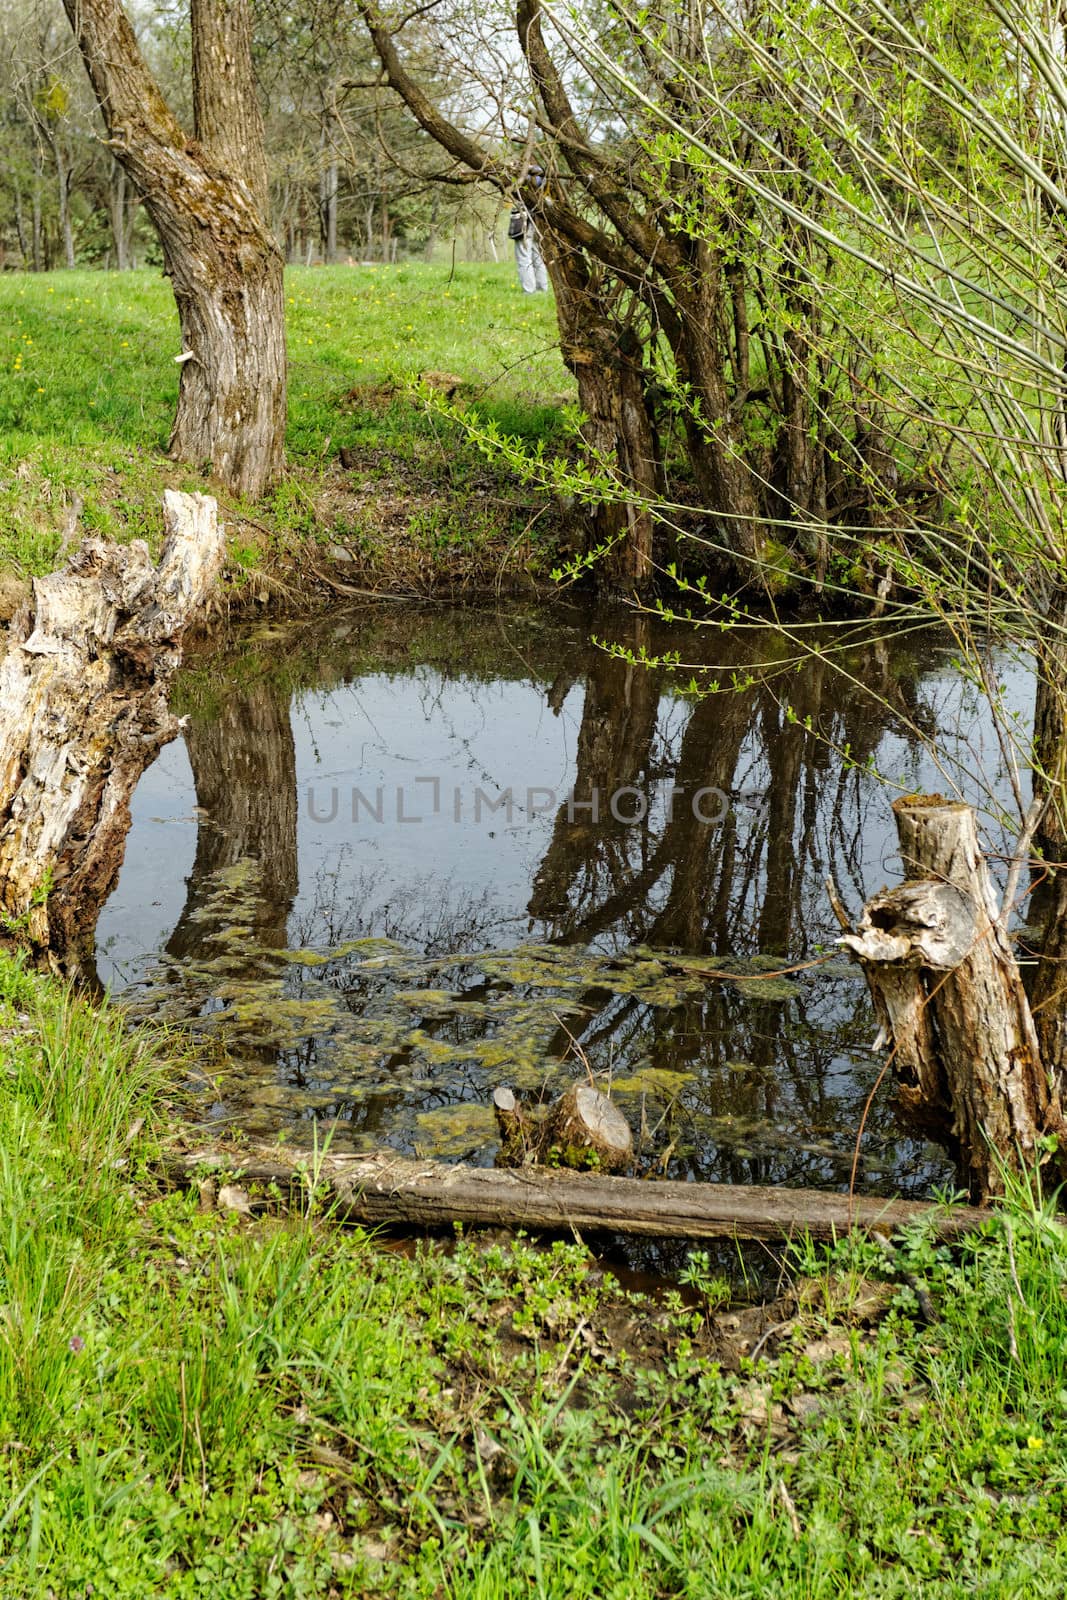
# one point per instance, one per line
(588, 1129)
(951, 1002)
(520, 1134)
(583, 1128)
(83, 711)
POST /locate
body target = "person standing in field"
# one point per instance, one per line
(529, 262)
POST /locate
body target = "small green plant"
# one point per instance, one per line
(19, 926)
(714, 1290)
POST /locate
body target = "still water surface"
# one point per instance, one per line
(399, 859)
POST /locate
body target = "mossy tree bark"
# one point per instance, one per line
(618, 430)
(207, 197)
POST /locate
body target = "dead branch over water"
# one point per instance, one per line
(384, 1189)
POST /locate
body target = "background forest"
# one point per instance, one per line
(351, 177)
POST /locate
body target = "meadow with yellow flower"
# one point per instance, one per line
(88, 382)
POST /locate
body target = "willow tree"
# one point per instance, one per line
(926, 209)
(628, 281)
(691, 315)
(206, 193)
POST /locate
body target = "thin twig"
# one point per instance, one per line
(1020, 857)
(837, 906)
(790, 1509)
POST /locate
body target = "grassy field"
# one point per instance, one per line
(88, 386)
(195, 1401)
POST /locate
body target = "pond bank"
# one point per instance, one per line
(328, 534)
(405, 497)
(191, 1399)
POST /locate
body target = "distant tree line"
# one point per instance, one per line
(350, 175)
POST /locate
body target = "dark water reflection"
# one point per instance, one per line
(381, 960)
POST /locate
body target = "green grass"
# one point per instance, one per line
(88, 387)
(193, 1402)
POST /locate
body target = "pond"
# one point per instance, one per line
(402, 857)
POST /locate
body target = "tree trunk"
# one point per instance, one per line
(714, 443)
(122, 204)
(226, 115)
(950, 997)
(63, 181)
(606, 362)
(38, 234)
(327, 194)
(116, 198)
(231, 400)
(83, 691)
(1050, 725)
(1049, 995)
(20, 227)
(133, 202)
(1049, 767)
(207, 199)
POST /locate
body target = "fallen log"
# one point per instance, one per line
(384, 1189)
(84, 686)
(949, 995)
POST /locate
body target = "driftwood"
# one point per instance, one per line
(83, 711)
(383, 1189)
(583, 1128)
(949, 995)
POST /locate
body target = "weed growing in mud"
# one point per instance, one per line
(697, 1274)
(197, 1401)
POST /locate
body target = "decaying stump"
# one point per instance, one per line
(587, 1128)
(950, 998)
(83, 711)
(583, 1128)
(519, 1132)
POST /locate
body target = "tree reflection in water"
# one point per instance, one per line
(747, 1083)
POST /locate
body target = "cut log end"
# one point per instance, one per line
(583, 1128)
(589, 1129)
